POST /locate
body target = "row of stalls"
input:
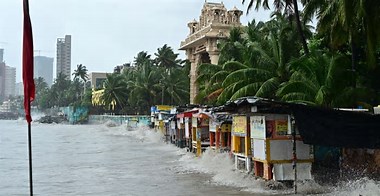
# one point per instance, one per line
(258, 139)
(273, 140)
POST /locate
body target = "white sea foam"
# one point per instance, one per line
(220, 167)
(363, 186)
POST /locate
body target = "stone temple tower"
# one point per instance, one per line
(215, 23)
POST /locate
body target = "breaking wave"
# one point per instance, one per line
(220, 168)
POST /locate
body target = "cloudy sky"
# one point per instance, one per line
(105, 33)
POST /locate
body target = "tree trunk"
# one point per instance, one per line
(299, 27)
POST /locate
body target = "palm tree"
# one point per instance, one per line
(81, 72)
(175, 86)
(288, 7)
(165, 57)
(143, 88)
(115, 91)
(41, 88)
(266, 63)
(322, 79)
(142, 58)
(210, 78)
(345, 21)
(59, 90)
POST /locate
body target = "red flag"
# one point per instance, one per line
(27, 63)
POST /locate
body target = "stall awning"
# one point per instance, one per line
(321, 126)
(329, 127)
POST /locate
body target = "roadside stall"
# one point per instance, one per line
(172, 130)
(185, 127)
(272, 141)
(241, 144)
(266, 135)
(200, 132)
(160, 114)
(220, 132)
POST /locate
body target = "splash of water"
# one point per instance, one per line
(220, 167)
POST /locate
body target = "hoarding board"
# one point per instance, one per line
(257, 124)
(258, 149)
(163, 107)
(282, 127)
(187, 131)
(194, 122)
(239, 126)
(213, 125)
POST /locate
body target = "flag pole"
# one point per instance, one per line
(30, 157)
(28, 80)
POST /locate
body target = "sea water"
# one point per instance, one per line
(99, 159)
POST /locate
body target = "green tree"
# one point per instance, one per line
(143, 87)
(165, 57)
(59, 90)
(265, 65)
(143, 58)
(288, 7)
(41, 88)
(323, 79)
(348, 22)
(81, 72)
(115, 91)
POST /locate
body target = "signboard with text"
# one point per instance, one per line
(257, 124)
(239, 126)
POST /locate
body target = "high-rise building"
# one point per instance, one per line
(43, 67)
(19, 89)
(64, 56)
(2, 81)
(10, 81)
(7, 79)
(1, 55)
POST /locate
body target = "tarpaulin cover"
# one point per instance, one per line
(328, 127)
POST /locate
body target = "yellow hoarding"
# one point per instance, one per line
(164, 107)
(239, 126)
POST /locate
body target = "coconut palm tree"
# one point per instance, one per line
(288, 7)
(345, 21)
(165, 57)
(142, 58)
(115, 93)
(41, 88)
(175, 86)
(265, 66)
(81, 72)
(59, 90)
(143, 88)
(323, 79)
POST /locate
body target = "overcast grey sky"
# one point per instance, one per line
(105, 33)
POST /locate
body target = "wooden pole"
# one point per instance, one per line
(294, 155)
(30, 157)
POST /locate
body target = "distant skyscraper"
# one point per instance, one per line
(2, 81)
(19, 89)
(7, 79)
(64, 56)
(1, 55)
(43, 67)
(10, 81)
